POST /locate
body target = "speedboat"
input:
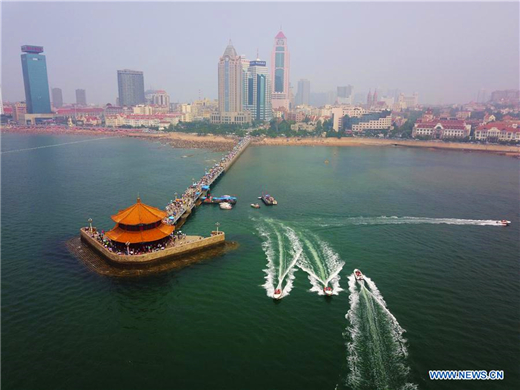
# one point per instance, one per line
(225, 206)
(358, 274)
(327, 290)
(504, 222)
(255, 205)
(277, 294)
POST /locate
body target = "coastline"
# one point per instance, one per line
(224, 143)
(506, 150)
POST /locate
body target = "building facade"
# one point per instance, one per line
(303, 96)
(57, 98)
(280, 73)
(230, 81)
(441, 129)
(81, 97)
(35, 80)
(498, 131)
(257, 85)
(230, 89)
(344, 95)
(131, 87)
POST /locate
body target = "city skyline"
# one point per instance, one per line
(436, 65)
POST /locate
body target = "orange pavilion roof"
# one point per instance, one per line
(135, 237)
(139, 213)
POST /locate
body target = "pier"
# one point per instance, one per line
(180, 209)
(144, 234)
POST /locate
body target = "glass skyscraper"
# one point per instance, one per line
(258, 86)
(36, 83)
(131, 87)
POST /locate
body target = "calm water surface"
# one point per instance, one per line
(452, 285)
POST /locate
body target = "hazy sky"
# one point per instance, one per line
(444, 51)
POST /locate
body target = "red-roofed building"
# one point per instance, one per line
(498, 131)
(76, 112)
(442, 129)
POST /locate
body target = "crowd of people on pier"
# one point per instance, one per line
(177, 207)
(139, 249)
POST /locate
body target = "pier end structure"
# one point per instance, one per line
(191, 245)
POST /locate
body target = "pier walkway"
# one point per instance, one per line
(180, 209)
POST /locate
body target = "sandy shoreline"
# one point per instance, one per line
(224, 143)
(364, 142)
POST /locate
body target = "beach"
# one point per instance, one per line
(224, 143)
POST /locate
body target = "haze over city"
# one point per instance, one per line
(445, 52)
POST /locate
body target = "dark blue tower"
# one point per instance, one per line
(35, 80)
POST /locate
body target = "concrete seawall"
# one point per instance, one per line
(147, 258)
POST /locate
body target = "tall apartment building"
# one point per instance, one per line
(303, 96)
(57, 98)
(131, 87)
(81, 97)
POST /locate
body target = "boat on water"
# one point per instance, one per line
(504, 222)
(219, 199)
(268, 200)
(358, 274)
(255, 205)
(277, 294)
(225, 206)
(328, 291)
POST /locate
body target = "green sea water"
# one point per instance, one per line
(416, 222)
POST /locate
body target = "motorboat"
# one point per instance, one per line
(268, 200)
(277, 294)
(225, 206)
(504, 222)
(327, 290)
(358, 274)
(255, 205)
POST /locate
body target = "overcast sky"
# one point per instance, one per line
(446, 52)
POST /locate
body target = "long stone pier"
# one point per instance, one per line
(192, 196)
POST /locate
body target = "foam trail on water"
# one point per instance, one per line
(52, 146)
(394, 220)
(321, 264)
(283, 250)
(376, 347)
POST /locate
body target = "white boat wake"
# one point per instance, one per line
(53, 146)
(394, 220)
(321, 264)
(376, 347)
(282, 249)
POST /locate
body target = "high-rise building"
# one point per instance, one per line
(481, 96)
(131, 87)
(303, 96)
(36, 83)
(230, 71)
(257, 85)
(280, 73)
(345, 94)
(81, 97)
(57, 98)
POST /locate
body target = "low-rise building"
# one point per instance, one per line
(302, 126)
(231, 118)
(441, 129)
(498, 131)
